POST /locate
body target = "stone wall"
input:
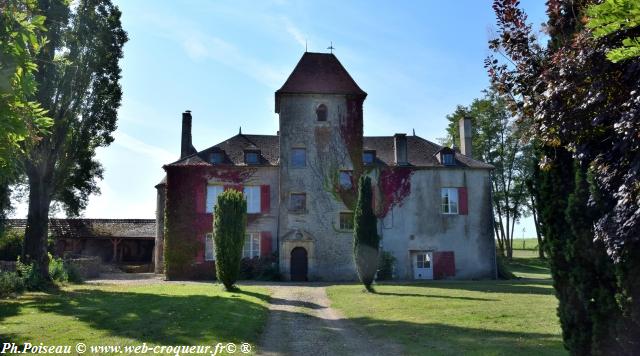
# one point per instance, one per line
(417, 224)
(328, 151)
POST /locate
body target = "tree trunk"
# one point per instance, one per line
(36, 232)
(537, 225)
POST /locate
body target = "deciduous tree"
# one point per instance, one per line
(78, 84)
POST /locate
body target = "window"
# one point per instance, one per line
(298, 202)
(251, 158)
(321, 112)
(217, 157)
(212, 196)
(423, 261)
(346, 221)
(448, 159)
(368, 157)
(251, 247)
(209, 248)
(346, 178)
(252, 195)
(298, 157)
(449, 200)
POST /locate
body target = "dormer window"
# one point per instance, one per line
(448, 159)
(217, 157)
(447, 156)
(368, 157)
(321, 112)
(251, 157)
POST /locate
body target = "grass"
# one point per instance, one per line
(461, 317)
(156, 314)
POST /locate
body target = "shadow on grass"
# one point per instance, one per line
(540, 287)
(157, 318)
(445, 339)
(368, 335)
(435, 296)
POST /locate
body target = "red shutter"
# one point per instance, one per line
(265, 199)
(463, 201)
(265, 243)
(444, 264)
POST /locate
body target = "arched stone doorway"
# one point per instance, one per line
(299, 264)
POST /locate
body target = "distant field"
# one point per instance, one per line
(525, 244)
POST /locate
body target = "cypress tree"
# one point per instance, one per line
(229, 224)
(366, 241)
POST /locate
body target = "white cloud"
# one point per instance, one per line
(156, 153)
(200, 46)
(295, 32)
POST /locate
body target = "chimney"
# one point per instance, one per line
(465, 136)
(400, 149)
(186, 148)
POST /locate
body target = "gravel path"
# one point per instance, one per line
(301, 322)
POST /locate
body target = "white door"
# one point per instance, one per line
(422, 265)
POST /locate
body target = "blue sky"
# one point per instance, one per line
(224, 59)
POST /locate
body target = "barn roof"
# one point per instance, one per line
(95, 228)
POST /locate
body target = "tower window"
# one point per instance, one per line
(298, 157)
(321, 112)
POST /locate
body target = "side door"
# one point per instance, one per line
(422, 265)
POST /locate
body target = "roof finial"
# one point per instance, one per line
(331, 48)
(305, 46)
(414, 132)
(240, 131)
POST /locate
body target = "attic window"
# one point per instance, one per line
(217, 157)
(368, 157)
(448, 159)
(251, 157)
(321, 112)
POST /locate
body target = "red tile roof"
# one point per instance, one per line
(319, 73)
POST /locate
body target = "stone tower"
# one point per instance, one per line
(320, 118)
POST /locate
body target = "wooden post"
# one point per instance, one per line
(115, 243)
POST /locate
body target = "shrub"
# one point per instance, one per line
(259, 268)
(29, 274)
(10, 283)
(365, 235)
(386, 264)
(10, 244)
(57, 270)
(229, 224)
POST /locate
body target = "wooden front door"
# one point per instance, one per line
(299, 264)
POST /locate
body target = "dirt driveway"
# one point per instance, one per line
(301, 322)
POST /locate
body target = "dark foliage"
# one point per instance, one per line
(260, 268)
(386, 265)
(366, 241)
(229, 225)
(584, 111)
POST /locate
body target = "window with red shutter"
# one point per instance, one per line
(265, 199)
(265, 243)
(463, 201)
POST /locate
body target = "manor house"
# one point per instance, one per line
(433, 203)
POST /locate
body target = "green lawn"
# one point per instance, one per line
(461, 317)
(160, 314)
